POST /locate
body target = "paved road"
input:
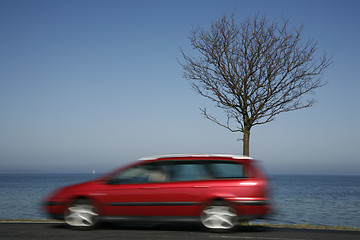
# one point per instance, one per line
(50, 231)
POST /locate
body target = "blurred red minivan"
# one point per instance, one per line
(215, 190)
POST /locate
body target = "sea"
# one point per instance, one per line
(298, 199)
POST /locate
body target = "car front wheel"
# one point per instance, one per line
(81, 214)
(219, 216)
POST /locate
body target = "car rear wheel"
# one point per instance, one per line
(81, 214)
(219, 216)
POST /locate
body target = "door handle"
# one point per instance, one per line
(201, 186)
(150, 188)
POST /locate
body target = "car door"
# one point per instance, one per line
(185, 189)
(158, 189)
(132, 192)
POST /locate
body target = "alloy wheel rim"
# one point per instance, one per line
(81, 215)
(218, 217)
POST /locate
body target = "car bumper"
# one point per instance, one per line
(251, 208)
(54, 209)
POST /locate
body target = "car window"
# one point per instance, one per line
(188, 172)
(147, 173)
(170, 171)
(226, 170)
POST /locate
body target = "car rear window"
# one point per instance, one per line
(226, 170)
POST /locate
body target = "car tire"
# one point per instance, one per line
(82, 215)
(218, 216)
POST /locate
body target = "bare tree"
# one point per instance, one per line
(253, 70)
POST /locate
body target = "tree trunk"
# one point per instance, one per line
(246, 142)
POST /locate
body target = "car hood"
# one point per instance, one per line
(68, 191)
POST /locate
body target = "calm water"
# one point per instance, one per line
(318, 200)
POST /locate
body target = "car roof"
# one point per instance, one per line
(174, 156)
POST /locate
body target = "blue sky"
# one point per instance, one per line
(93, 84)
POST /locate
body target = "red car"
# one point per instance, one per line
(216, 190)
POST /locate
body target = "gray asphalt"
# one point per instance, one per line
(59, 231)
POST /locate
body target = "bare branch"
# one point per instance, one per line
(227, 125)
(253, 70)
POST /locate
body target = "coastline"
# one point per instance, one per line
(293, 198)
